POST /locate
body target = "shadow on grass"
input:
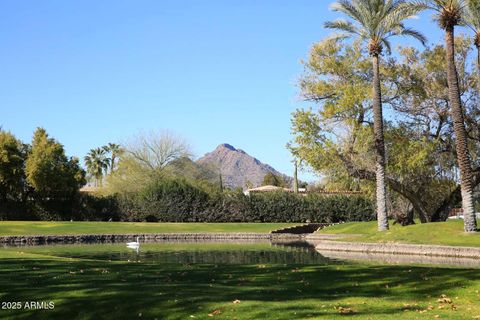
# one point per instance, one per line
(96, 289)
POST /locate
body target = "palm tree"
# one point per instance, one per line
(115, 151)
(376, 21)
(449, 14)
(97, 164)
(472, 20)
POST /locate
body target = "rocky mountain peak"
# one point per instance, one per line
(237, 167)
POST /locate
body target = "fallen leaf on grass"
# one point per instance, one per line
(214, 313)
(444, 299)
(408, 307)
(344, 310)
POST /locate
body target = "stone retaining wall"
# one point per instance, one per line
(105, 238)
(402, 258)
(394, 248)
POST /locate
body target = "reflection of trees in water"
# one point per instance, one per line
(284, 256)
(381, 258)
(236, 257)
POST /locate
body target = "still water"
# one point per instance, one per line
(263, 252)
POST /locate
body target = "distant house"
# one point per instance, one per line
(265, 189)
(303, 191)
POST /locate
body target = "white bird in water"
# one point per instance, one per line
(134, 245)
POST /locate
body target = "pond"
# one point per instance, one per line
(259, 252)
(227, 280)
(230, 252)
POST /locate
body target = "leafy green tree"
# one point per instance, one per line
(97, 164)
(48, 170)
(423, 103)
(248, 185)
(12, 161)
(376, 21)
(336, 140)
(449, 14)
(271, 179)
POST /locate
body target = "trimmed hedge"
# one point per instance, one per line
(179, 201)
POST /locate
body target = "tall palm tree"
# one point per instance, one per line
(97, 164)
(376, 21)
(115, 151)
(472, 19)
(449, 14)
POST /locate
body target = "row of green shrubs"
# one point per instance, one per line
(176, 200)
(180, 201)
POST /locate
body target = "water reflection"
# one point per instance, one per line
(234, 252)
(232, 255)
(401, 259)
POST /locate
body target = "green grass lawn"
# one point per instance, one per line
(10, 228)
(441, 233)
(85, 283)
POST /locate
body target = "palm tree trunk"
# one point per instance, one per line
(478, 61)
(112, 163)
(295, 177)
(461, 144)
(379, 147)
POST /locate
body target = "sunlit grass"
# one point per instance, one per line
(439, 233)
(8, 228)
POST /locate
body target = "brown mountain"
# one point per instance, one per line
(237, 167)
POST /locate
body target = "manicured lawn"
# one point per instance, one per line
(440, 233)
(8, 228)
(85, 283)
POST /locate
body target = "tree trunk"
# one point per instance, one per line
(461, 143)
(478, 62)
(295, 178)
(379, 147)
(112, 163)
(220, 182)
(441, 214)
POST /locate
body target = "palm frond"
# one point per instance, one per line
(378, 20)
(342, 25)
(414, 34)
(472, 15)
(349, 8)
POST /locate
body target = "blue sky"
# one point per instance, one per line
(213, 71)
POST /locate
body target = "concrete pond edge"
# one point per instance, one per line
(148, 237)
(398, 249)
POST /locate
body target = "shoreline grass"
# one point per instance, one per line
(449, 233)
(30, 228)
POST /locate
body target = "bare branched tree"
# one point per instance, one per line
(156, 149)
